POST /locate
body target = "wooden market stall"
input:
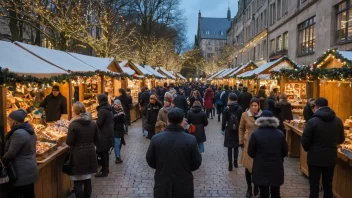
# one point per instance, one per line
(133, 84)
(240, 70)
(18, 91)
(261, 75)
(223, 77)
(170, 77)
(213, 78)
(333, 73)
(159, 78)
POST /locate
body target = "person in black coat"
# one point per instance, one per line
(230, 130)
(268, 147)
(55, 104)
(218, 103)
(225, 96)
(126, 102)
(262, 97)
(308, 109)
(180, 101)
(151, 115)
(321, 136)
(82, 137)
(198, 118)
(106, 129)
(284, 112)
(143, 101)
(174, 154)
(196, 97)
(272, 104)
(119, 129)
(244, 98)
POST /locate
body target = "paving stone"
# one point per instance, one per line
(134, 178)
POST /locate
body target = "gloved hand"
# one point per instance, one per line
(222, 132)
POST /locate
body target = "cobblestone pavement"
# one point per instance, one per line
(134, 178)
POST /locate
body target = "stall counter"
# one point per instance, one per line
(342, 181)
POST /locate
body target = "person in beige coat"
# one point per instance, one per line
(247, 126)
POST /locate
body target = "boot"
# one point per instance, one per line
(235, 164)
(256, 190)
(249, 191)
(230, 166)
(118, 160)
(101, 174)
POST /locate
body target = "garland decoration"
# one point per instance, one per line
(332, 53)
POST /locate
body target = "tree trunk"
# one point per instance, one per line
(13, 24)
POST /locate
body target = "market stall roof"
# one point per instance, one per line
(215, 74)
(218, 74)
(155, 73)
(20, 61)
(283, 62)
(227, 73)
(182, 77)
(125, 68)
(58, 58)
(243, 67)
(165, 72)
(344, 57)
(143, 70)
(102, 64)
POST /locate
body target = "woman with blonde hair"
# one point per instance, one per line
(247, 126)
(196, 96)
(82, 137)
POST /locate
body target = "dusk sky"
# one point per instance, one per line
(208, 8)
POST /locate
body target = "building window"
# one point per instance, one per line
(344, 21)
(272, 13)
(284, 7)
(278, 9)
(306, 33)
(222, 33)
(272, 46)
(265, 18)
(207, 32)
(285, 41)
(279, 43)
(210, 49)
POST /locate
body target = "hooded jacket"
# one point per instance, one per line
(268, 147)
(307, 112)
(208, 99)
(151, 115)
(82, 137)
(244, 99)
(198, 117)
(180, 101)
(54, 107)
(119, 123)
(20, 150)
(231, 136)
(105, 125)
(323, 132)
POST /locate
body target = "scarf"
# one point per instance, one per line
(168, 109)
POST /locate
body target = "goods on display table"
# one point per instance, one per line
(134, 86)
(269, 85)
(298, 105)
(346, 147)
(296, 90)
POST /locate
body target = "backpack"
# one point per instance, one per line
(233, 124)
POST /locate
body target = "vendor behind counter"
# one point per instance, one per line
(55, 104)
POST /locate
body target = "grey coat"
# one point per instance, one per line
(20, 150)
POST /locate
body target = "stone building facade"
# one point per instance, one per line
(300, 29)
(211, 35)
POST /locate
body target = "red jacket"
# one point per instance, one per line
(208, 99)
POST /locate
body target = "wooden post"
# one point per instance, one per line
(81, 92)
(101, 85)
(3, 118)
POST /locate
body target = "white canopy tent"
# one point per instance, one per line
(101, 64)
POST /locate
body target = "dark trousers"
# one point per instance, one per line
(327, 173)
(248, 178)
(274, 191)
(235, 154)
(83, 189)
(104, 162)
(209, 112)
(26, 191)
(151, 133)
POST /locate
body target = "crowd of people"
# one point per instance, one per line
(174, 118)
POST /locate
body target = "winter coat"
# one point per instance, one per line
(144, 98)
(119, 123)
(225, 97)
(247, 126)
(231, 136)
(198, 118)
(126, 102)
(174, 154)
(106, 127)
(54, 107)
(82, 137)
(162, 115)
(181, 102)
(161, 93)
(20, 150)
(307, 112)
(243, 100)
(262, 98)
(272, 105)
(284, 113)
(321, 136)
(151, 114)
(191, 101)
(268, 148)
(208, 99)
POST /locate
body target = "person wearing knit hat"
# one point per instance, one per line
(55, 104)
(267, 140)
(197, 117)
(231, 118)
(151, 116)
(168, 105)
(119, 129)
(21, 148)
